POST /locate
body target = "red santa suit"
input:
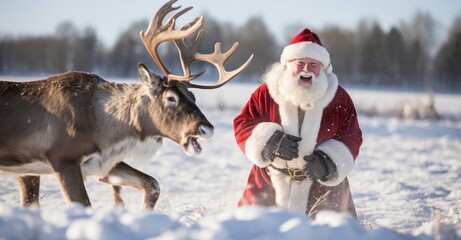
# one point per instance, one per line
(329, 125)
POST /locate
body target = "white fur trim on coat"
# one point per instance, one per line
(290, 195)
(342, 158)
(255, 143)
(307, 50)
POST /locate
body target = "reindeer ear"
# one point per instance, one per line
(144, 74)
(147, 77)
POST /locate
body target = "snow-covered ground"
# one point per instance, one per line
(406, 184)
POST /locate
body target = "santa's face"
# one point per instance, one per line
(305, 69)
(303, 83)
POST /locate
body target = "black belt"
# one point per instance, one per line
(293, 173)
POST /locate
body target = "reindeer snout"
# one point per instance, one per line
(205, 131)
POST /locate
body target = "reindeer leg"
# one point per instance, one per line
(117, 196)
(115, 191)
(70, 180)
(30, 188)
(125, 175)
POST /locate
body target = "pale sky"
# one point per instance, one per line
(111, 17)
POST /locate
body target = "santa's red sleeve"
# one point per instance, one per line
(255, 125)
(344, 147)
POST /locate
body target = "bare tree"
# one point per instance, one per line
(255, 37)
(86, 50)
(421, 28)
(343, 51)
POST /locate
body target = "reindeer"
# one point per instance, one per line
(75, 124)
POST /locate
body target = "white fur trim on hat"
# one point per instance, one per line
(309, 50)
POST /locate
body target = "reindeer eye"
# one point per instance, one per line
(171, 99)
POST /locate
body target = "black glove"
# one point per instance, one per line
(319, 166)
(282, 145)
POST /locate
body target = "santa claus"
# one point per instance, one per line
(300, 129)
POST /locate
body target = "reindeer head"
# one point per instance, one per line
(181, 120)
(172, 107)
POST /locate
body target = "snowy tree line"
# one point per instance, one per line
(408, 55)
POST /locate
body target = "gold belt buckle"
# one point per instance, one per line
(296, 174)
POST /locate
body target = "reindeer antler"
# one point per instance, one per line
(157, 33)
(189, 54)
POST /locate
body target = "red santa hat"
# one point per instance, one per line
(307, 44)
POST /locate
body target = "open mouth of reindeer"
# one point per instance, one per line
(193, 145)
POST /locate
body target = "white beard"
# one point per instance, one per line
(290, 90)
